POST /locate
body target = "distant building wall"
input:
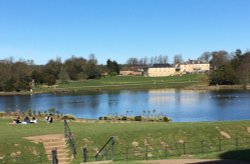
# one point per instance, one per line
(133, 73)
(154, 72)
(192, 68)
(178, 69)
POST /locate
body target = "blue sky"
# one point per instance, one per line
(119, 29)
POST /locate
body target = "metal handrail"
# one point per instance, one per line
(111, 140)
(70, 139)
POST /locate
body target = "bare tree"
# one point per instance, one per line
(219, 58)
(178, 59)
(205, 57)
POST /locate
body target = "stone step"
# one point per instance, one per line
(62, 159)
(64, 162)
(54, 139)
(54, 143)
(57, 147)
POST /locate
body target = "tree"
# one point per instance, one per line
(131, 61)
(224, 75)
(219, 58)
(75, 67)
(64, 76)
(178, 59)
(53, 67)
(15, 76)
(113, 67)
(243, 71)
(205, 57)
(238, 53)
(92, 70)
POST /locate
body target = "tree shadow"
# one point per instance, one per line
(230, 157)
(241, 155)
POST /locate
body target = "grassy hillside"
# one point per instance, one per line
(128, 82)
(136, 138)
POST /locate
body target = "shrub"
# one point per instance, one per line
(138, 118)
(2, 114)
(68, 117)
(124, 118)
(166, 119)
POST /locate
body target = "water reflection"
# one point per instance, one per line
(181, 105)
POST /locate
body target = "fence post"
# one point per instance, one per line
(184, 148)
(54, 156)
(65, 129)
(85, 154)
(219, 144)
(237, 143)
(146, 154)
(202, 147)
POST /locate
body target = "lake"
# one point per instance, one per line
(180, 105)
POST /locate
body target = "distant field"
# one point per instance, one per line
(135, 137)
(129, 82)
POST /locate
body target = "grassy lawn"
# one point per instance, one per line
(128, 82)
(138, 138)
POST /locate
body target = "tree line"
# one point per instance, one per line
(21, 75)
(229, 68)
(226, 68)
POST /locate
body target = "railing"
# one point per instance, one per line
(68, 135)
(163, 151)
(108, 146)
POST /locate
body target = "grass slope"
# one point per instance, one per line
(134, 137)
(128, 82)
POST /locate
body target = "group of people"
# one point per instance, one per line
(26, 120)
(33, 120)
(49, 119)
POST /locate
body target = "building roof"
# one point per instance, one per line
(162, 65)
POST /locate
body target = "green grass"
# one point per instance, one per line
(94, 135)
(128, 82)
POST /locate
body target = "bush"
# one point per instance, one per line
(2, 114)
(124, 118)
(68, 117)
(138, 118)
(166, 119)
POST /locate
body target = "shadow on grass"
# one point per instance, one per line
(231, 157)
(242, 155)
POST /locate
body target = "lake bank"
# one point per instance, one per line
(126, 87)
(189, 81)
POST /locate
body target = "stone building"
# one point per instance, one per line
(170, 70)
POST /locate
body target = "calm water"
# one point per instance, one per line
(180, 105)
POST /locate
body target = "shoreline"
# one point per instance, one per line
(97, 89)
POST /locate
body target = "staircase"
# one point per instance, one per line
(61, 147)
(54, 141)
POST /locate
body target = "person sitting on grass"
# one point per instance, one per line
(33, 120)
(26, 120)
(17, 121)
(50, 119)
